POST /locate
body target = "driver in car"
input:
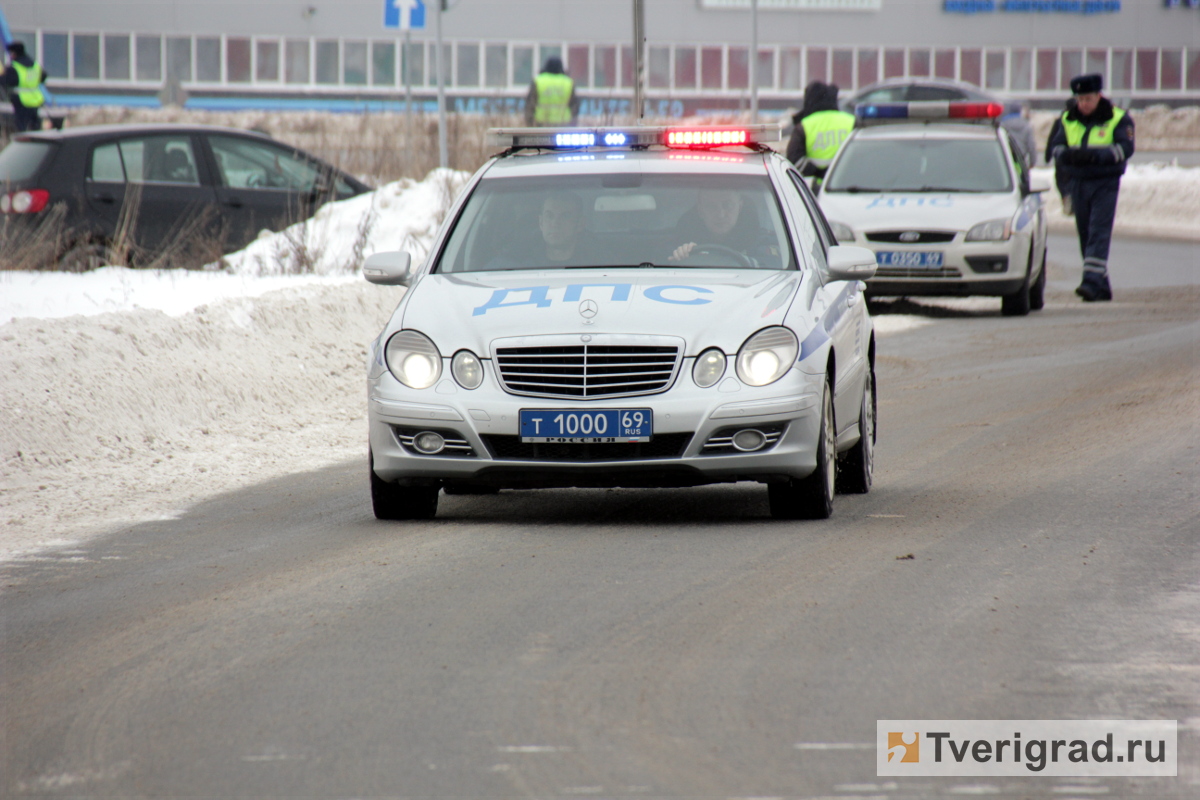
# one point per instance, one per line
(718, 223)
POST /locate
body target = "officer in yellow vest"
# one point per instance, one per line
(818, 131)
(24, 78)
(551, 99)
(1089, 145)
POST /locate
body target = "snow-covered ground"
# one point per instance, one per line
(130, 394)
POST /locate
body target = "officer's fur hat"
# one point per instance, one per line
(16, 49)
(1086, 84)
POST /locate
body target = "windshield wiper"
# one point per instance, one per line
(855, 189)
(944, 189)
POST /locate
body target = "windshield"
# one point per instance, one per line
(920, 165)
(619, 220)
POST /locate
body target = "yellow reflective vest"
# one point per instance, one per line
(1101, 135)
(553, 99)
(824, 133)
(29, 81)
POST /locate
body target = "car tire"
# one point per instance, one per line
(811, 497)
(1017, 303)
(856, 469)
(1037, 292)
(393, 502)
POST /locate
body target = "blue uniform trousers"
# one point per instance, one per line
(1095, 202)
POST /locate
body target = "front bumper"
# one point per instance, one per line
(483, 423)
(991, 269)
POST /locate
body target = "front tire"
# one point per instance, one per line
(856, 470)
(1037, 292)
(1019, 302)
(811, 497)
(391, 501)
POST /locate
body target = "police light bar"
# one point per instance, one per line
(692, 137)
(928, 110)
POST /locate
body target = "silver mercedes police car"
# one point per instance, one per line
(639, 307)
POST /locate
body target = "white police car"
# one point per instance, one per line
(947, 207)
(626, 307)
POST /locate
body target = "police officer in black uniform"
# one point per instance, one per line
(1089, 145)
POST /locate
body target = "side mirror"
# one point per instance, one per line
(388, 269)
(1038, 185)
(850, 263)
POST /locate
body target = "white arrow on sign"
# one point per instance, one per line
(404, 14)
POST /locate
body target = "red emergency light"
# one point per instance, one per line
(707, 137)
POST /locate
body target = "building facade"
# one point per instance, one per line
(341, 55)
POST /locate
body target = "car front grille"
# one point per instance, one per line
(923, 237)
(511, 448)
(911, 272)
(587, 371)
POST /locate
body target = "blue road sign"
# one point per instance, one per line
(404, 14)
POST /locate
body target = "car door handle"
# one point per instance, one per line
(233, 202)
(104, 197)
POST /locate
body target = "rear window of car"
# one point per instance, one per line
(21, 160)
(920, 165)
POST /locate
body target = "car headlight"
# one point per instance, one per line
(994, 230)
(467, 369)
(710, 366)
(767, 356)
(413, 359)
(842, 232)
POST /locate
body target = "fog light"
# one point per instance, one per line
(749, 440)
(429, 442)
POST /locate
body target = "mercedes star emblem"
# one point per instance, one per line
(588, 309)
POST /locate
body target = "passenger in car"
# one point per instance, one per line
(562, 238)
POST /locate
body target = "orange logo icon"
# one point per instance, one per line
(904, 747)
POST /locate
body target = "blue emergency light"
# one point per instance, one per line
(928, 110)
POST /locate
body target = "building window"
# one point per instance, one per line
(468, 64)
(329, 63)
(149, 58)
(685, 68)
(237, 60)
(739, 68)
(943, 64)
(55, 61)
(766, 69)
(1147, 69)
(816, 60)
(604, 76)
(627, 67)
(208, 59)
(893, 63)
(295, 62)
(1097, 61)
(868, 66)
(970, 66)
(578, 66)
(495, 65)
(1172, 70)
(445, 68)
(1047, 69)
(86, 56)
(790, 62)
(413, 68)
(1022, 70)
(1193, 68)
(994, 69)
(658, 73)
(843, 68)
(1122, 70)
(179, 59)
(266, 65)
(1070, 65)
(522, 66)
(354, 63)
(383, 63)
(711, 68)
(918, 62)
(116, 58)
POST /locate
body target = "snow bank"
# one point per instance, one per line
(1156, 200)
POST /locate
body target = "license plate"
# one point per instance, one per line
(923, 259)
(563, 425)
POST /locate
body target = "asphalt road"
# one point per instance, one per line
(1029, 551)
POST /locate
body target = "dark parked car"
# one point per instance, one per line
(165, 194)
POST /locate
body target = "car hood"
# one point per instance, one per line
(953, 211)
(699, 306)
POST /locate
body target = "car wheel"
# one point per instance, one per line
(390, 501)
(811, 497)
(1037, 292)
(856, 469)
(1017, 303)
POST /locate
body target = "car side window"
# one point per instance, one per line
(808, 227)
(106, 164)
(889, 94)
(917, 93)
(159, 159)
(247, 164)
